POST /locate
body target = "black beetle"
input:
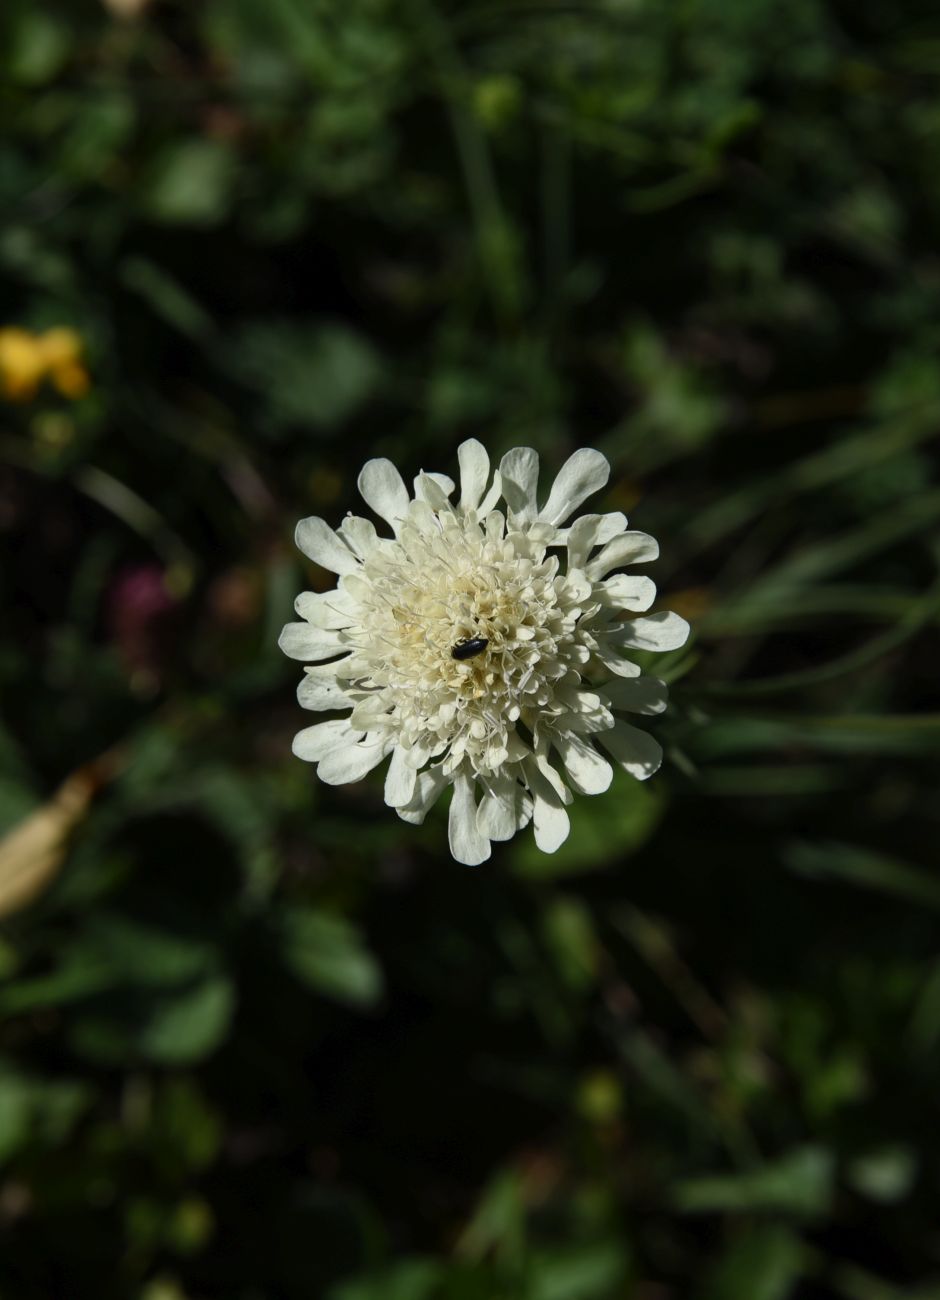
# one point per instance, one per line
(470, 649)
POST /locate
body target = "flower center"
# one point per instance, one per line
(446, 581)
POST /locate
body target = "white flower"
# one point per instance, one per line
(463, 647)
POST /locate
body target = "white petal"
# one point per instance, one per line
(615, 663)
(420, 521)
(636, 751)
(318, 692)
(359, 534)
(494, 526)
(502, 810)
(491, 497)
(630, 591)
(627, 548)
(590, 773)
(427, 789)
(580, 701)
(352, 763)
(358, 589)
(551, 775)
(582, 474)
(301, 641)
(434, 489)
(383, 490)
(642, 695)
(550, 823)
(369, 714)
(474, 471)
(664, 631)
(576, 587)
(314, 743)
(326, 609)
(399, 780)
(589, 531)
(519, 471)
(318, 541)
(549, 819)
(467, 845)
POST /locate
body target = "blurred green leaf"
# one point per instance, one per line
(841, 735)
(167, 297)
(861, 866)
(309, 375)
(144, 954)
(329, 955)
(569, 932)
(589, 1272)
(15, 1111)
(99, 131)
(885, 1175)
(498, 1222)
(763, 1262)
(190, 183)
(188, 1025)
(184, 1124)
(37, 48)
(35, 1111)
(410, 1280)
(859, 1284)
(799, 1184)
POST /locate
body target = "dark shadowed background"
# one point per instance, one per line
(260, 1039)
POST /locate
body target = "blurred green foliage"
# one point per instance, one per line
(262, 1041)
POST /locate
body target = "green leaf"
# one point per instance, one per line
(569, 933)
(762, 1264)
(415, 1279)
(329, 955)
(113, 952)
(36, 1112)
(190, 183)
(885, 1175)
(15, 1112)
(839, 734)
(167, 297)
(190, 1025)
(37, 48)
(100, 130)
(799, 1184)
(145, 954)
(310, 374)
(184, 1124)
(590, 1272)
(866, 868)
(74, 980)
(498, 1222)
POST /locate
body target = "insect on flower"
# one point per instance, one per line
(544, 712)
(470, 649)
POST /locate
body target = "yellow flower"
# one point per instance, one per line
(27, 359)
(60, 347)
(22, 364)
(62, 350)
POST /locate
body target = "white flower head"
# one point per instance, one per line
(481, 647)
